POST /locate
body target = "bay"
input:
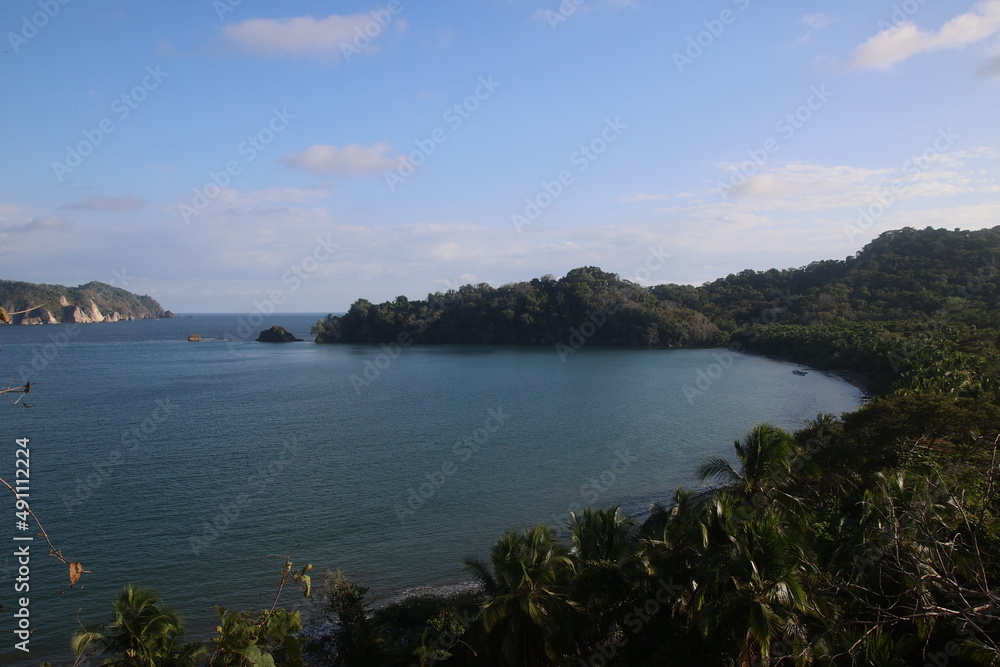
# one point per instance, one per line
(192, 468)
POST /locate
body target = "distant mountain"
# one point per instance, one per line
(904, 274)
(93, 302)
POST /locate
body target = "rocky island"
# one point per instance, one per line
(33, 303)
(277, 334)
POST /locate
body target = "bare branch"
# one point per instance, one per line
(75, 569)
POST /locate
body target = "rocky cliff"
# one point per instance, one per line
(93, 302)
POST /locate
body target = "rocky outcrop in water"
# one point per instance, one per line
(277, 334)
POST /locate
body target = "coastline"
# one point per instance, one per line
(859, 379)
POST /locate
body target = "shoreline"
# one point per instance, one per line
(859, 379)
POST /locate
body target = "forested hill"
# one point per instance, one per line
(600, 307)
(902, 275)
(93, 302)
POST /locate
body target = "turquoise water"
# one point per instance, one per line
(182, 466)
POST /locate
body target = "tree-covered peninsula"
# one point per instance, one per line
(543, 311)
(905, 275)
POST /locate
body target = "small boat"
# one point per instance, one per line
(799, 372)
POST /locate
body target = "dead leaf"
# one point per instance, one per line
(75, 570)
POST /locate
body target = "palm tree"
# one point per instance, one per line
(613, 570)
(766, 457)
(677, 553)
(604, 535)
(771, 464)
(750, 588)
(143, 633)
(744, 547)
(528, 615)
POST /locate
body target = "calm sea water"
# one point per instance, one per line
(185, 467)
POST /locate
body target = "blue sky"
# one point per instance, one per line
(228, 156)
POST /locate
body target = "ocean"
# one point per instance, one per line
(194, 468)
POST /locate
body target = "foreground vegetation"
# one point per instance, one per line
(871, 538)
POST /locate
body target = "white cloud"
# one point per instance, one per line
(801, 186)
(579, 8)
(904, 40)
(796, 212)
(441, 40)
(350, 160)
(643, 196)
(48, 223)
(10, 209)
(816, 21)
(109, 204)
(283, 202)
(327, 38)
(804, 186)
(278, 195)
(813, 22)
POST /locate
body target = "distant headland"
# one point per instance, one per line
(33, 303)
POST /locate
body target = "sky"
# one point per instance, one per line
(241, 156)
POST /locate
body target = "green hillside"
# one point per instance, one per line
(901, 275)
(18, 296)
